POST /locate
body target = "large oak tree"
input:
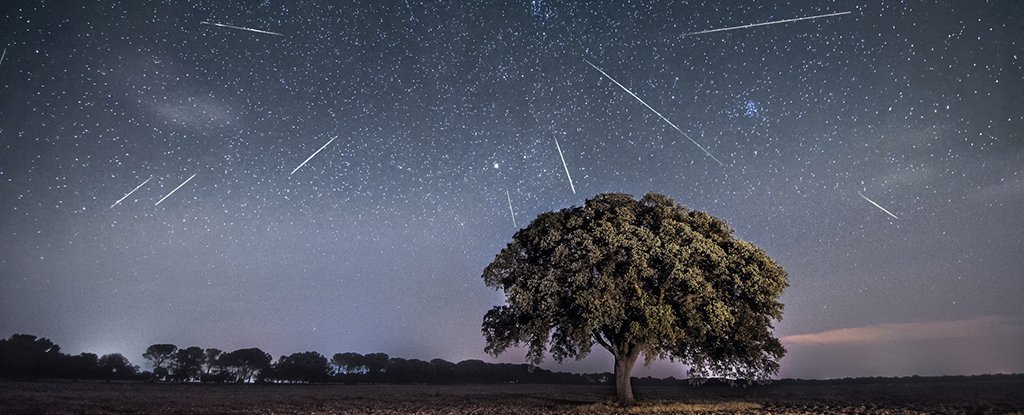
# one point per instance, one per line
(636, 277)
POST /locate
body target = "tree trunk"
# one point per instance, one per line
(623, 386)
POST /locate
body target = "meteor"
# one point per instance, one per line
(129, 193)
(242, 28)
(877, 206)
(311, 155)
(3, 56)
(764, 24)
(510, 209)
(565, 166)
(656, 112)
(175, 190)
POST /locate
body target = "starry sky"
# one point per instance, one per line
(443, 114)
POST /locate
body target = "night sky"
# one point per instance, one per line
(442, 114)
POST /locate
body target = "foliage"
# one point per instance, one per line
(245, 365)
(644, 276)
(188, 364)
(116, 366)
(348, 363)
(28, 356)
(212, 357)
(159, 355)
(302, 367)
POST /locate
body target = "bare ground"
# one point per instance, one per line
(1005, 395)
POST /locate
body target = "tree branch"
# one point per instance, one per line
(604, 343)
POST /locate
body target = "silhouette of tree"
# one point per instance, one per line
(472, 371)
(349, 363)
(407, 370)
(212, 354)
(188, 364)
(302, 367)
(376, 364)
(28, 356)
(245, 365)
(638, 276)
(159, 355)
(116, 366)
(82, 366)
(442, 371)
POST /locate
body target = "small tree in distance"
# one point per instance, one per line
(638, 277)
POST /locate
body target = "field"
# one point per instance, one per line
(961, 395)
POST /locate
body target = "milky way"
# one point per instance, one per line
(439, 109)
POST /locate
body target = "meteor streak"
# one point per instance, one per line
(764, 23)
(3, 56)
(129, 193)
(565, 166)
(175, 190)
(510, 209)
(877, 206)
(242, 28)
(656, 112)
(311, 155)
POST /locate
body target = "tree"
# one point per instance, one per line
(188, 364)
(304, 367)
(82, 366)
(158, 355)
(349, 363)
(28, 356)
(407, 370)
(638, 277)
(376, 364)
(212, 355)
(116, 366)
(442, 371)
(245, 364)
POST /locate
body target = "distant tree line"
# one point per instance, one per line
(194, 364)
(24, 356)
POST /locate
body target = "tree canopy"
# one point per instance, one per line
(644, 276)
(158, 356)
(188, 364)
(302, 367)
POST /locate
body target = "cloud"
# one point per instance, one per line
(195, 112)
(980, 327)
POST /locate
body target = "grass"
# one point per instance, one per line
(992, 396)
(668, 407)
(676, 407)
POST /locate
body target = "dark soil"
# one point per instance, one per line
(959, 396)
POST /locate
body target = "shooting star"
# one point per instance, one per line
(175, 190)
(3, 56)
(877, 206)
(242, 28)
(129, 193)
(311, 155)
(656, 112)
(510, 209)
(565, 166)
(764, 24)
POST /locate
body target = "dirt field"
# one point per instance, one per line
(1002, 395)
